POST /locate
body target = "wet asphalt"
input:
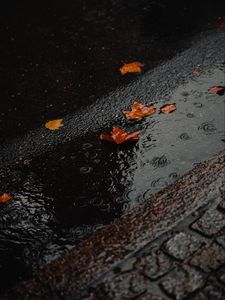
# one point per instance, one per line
(57, 58)
(63, 61)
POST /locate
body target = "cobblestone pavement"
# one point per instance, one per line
(171, 246)
(188, 262)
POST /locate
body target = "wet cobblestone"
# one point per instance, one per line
(212, 291)
(222, 202)
(155, 265)
(186, 262)
(222, 278)
(181, 282)
(177, 266)
(210, 223)
(123, 286)
(182, 245)
(209, 257)
(221, 240)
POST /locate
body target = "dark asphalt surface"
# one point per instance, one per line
(58, 58)
(67, 184)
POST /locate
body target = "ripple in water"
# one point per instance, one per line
(159, 183)
(147, 194)
(86, 146)
(130, 195)
(159, 162)
(97, 201)
(198, 104)
(185, 136)
(207, 128)
(173, 175)
(126, 206)
(190, 115)
(86, 170)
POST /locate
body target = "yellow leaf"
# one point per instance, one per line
(54, 124)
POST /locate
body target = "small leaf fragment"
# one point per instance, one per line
(134, 67)
(218, 89)
(54, 124)
(168, 108)
(120, 136)
(139, 111)
(4, 198)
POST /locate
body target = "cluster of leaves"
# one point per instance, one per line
(137, 112)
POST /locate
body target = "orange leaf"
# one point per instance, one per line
(217, 90)
(54, 124)
(120, 136)
(139, 111)
(4, 198)
(168, 108)
(134, 67)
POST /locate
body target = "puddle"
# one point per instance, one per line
(61, 198)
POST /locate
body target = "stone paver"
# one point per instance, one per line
(221, 240)
(222, 203)
(155, 264)
(213, 291)
(185, 262)
(209, 257)
(210, 223)
(182, 282)
(123, 286)
(177, 267)
(222, 278)
(182, 245)
(148, 296)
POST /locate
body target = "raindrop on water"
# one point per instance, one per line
(86, 170)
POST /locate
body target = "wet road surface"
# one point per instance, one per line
(66, 185)
(58, 58)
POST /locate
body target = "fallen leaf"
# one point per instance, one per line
(139, 111)
(168, 108)
(120, 136)
(219, 90)
(196, 72)
(134, 67)
(4, 198)
(54, 124)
